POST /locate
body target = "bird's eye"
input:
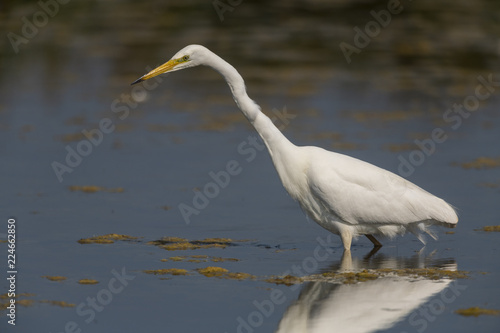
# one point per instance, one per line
(185, 58)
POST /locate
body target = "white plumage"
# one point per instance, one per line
(344, 195)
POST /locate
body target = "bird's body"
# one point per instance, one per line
(344, 195)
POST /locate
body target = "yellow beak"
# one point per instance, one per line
(166, 67)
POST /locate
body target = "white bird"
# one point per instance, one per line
(344, 195)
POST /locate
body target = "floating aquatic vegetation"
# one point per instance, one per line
(23, 302)
(212, 271)
(54, 278)
(490, 228)
(287, 280)
(30, 302)
(168, 240)
(219, 259)
(477, 311)
(352, 277)
(174, 259)
(239, 276)
(223, 273)
(62, 304)
(183, 246)
(368, 275)
(176, 243)
(105, 239)
(215, 240)
(482, 163)
(171, 271)
(344, 277)
(332, 277)
(428, 273)
(93, 189)
(88, 281)
(198, 259)
(6, 296)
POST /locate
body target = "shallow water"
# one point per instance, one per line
(163, 147)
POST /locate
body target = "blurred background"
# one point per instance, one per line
(369, 79)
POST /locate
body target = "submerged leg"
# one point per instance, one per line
(346, 262)
(375, 242)
(430, 233)
(372, 252)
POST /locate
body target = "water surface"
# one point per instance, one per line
(163, 146)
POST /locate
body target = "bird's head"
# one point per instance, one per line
(190, 56)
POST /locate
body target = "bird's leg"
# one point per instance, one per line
(346, 261)
(372, 252)
(375, 242)
(430, 233)
(346, 238)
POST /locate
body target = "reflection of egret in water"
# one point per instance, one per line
(365, 306)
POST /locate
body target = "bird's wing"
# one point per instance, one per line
(359, 192)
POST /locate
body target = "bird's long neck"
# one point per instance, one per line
(271, 135)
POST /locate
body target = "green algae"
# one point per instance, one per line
(105, 239)
(477, 311)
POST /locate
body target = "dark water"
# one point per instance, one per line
(423, 73)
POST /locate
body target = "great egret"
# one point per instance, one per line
(344, 195)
